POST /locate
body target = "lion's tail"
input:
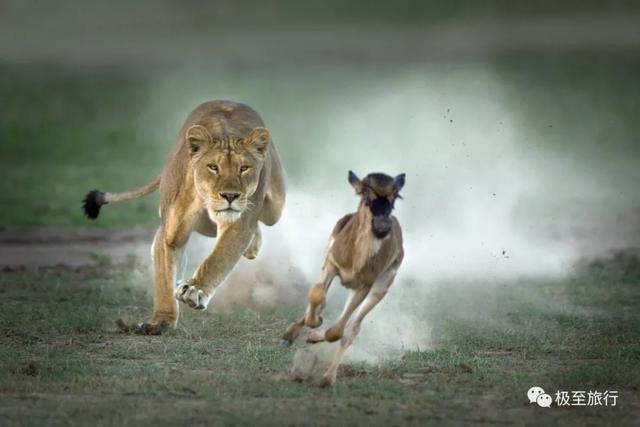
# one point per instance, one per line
(94, 200)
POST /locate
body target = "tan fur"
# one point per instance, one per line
(218, 140)
(365, 264)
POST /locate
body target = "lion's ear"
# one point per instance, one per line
(258, 140)
(197, 136)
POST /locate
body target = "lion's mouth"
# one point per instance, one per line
(229, 214)
(229, 209)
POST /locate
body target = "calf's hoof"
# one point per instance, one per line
(316, 336)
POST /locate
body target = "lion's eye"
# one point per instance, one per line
(213, 168)
(244, 168)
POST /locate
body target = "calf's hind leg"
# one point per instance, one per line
(317, 299)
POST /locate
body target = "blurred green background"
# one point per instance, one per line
(536, 103)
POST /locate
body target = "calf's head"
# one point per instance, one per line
(378, 193)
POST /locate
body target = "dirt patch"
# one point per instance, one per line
(63, 235)
(261, 283)
(21, 248)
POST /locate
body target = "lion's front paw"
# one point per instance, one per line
(191, 295)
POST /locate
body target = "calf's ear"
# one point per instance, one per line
(398, 182)
(355, 181)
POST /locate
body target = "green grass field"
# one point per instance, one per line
(64, 132)
(64, 360)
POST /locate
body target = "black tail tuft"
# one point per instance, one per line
(92, 203)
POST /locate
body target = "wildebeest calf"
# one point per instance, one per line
(365, 250)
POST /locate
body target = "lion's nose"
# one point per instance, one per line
(230, 196)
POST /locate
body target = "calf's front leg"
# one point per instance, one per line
(317, 299)
(377, 292)
(335, 332)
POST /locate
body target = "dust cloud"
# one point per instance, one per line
(479, 202)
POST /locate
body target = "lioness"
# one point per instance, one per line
(222, 177)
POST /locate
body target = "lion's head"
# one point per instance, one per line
(227, 170)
